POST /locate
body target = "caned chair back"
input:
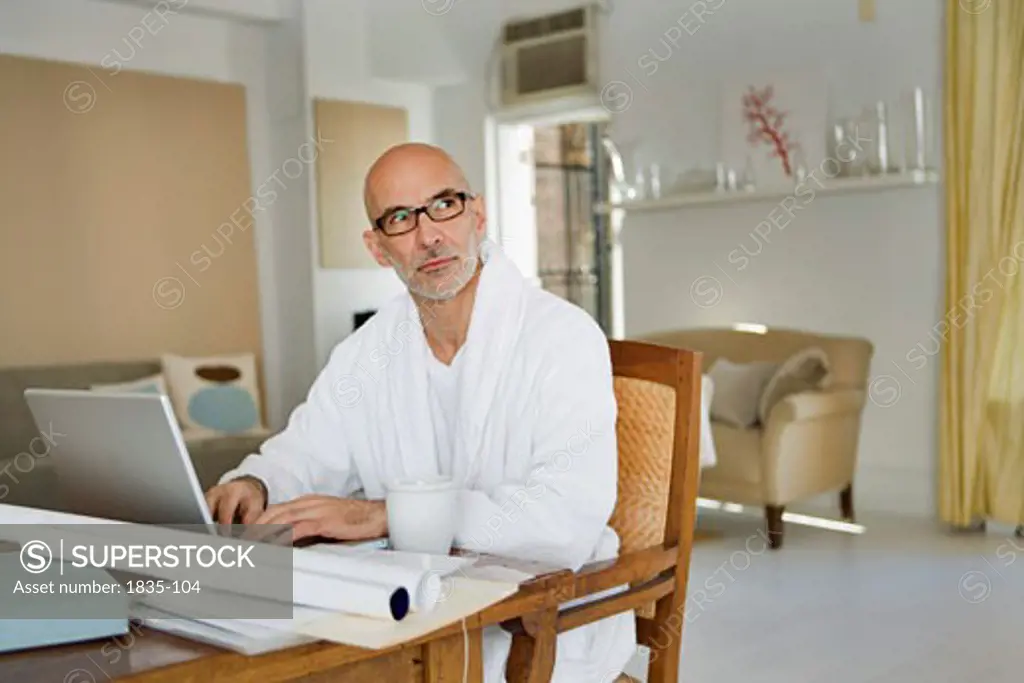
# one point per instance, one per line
(645, 431)
(657, 389)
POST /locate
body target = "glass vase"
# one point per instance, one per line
(919, 127)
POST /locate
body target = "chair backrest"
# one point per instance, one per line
(657, 389)
(849, 357)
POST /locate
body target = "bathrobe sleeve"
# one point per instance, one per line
(310, 455)
(559, 510)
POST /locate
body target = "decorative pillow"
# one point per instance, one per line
(154, 384)
(805, 370)
(216, 395)
(738, 389)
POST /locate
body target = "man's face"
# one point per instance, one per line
(435, 252)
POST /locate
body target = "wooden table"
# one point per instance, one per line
(147, 656)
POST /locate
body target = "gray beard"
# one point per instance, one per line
(452, 285)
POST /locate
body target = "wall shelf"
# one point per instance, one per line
(820, 186)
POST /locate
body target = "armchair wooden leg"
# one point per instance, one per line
(846, 503)
(773, 514)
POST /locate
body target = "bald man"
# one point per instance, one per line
(473, 374)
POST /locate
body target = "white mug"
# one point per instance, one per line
(422, 515)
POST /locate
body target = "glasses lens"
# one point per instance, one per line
(398, 222)
(445, 208)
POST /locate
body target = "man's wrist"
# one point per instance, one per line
(380, 517)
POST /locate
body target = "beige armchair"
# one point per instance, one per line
(808, 444)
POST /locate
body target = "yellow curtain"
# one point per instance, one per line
(981, 472)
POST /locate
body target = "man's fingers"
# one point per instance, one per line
(305, 529)
(272, 513)
(212, 496)
(288, 514)
(251, 509)
(301, 508)
(227, 505)
(305, 503)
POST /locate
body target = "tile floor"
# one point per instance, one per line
(902, 602)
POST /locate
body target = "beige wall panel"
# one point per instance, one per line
(359, 133)
(109, 242)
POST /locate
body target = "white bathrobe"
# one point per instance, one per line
(532, 439)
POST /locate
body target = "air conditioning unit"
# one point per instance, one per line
(550, 57)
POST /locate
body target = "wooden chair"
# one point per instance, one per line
(658, 393)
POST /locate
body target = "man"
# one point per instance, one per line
(472, 374)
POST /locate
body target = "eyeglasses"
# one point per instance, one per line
(443, 207)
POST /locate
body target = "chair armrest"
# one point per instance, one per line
(645, 576)
(645, 567)
(809, 444)
(641, 565)
(808, 405)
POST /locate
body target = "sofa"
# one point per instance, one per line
(807, 446)
(28, 478)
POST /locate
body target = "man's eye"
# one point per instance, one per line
(443, 203)
(398, 217)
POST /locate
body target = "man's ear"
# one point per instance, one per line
(481, 214)
(370, 238)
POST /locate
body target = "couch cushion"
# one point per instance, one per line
(213, 457)
(215, 395)
(739, 454)
(17, 428)
(154, 384)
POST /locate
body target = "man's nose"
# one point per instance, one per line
(429, 233)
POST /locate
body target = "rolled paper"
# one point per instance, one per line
(351, 594)
(424, 585)
(331, 596)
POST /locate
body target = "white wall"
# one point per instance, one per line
(869, 265)
(338, 66)
(89, 32)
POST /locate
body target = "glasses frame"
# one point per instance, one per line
(464, 195)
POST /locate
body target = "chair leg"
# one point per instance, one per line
(846, 503)
(773, 515)
(665, 639)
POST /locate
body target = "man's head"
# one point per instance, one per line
(424, 221)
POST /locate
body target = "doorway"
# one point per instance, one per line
(550, 178)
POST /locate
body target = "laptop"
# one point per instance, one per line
(120, 456)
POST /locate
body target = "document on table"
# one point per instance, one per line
(466, 598)
(252, 636)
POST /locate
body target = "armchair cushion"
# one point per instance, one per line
(738, 390)
(805, 370)
(739, 454)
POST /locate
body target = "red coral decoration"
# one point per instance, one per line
(766, 125)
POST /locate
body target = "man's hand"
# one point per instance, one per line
(342, 519)
(244, 497)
